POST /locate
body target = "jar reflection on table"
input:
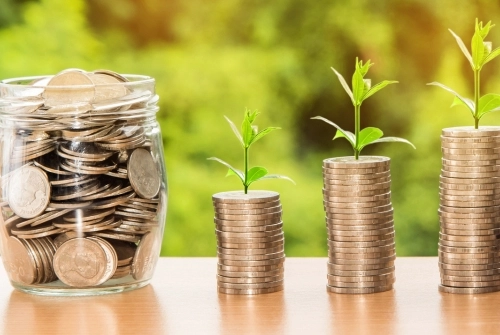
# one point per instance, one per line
(83, 182)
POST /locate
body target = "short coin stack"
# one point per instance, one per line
(469, 210)
(250, 242)
(360, 226)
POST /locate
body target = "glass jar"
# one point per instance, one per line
(83, 181)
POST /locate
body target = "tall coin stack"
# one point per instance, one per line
(360, 226)
(469, 210)
(250, 242)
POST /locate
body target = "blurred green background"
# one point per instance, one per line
(218, 57)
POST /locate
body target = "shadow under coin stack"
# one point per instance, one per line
(469, 210)
(360, 226)
(250, 242)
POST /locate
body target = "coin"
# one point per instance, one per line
(471, 133)
(361, 162)
(377, 274)
(59, 92)
(358, 267)
(363, 261)
(465, 290)
(367, 238)
(250, 286)
(360, 284)
(274, 267)
(358, 210)
(240, 197)
(80, 262)
(275, 209)
(251, 280)
(146, 257)
(338, 244)
(364, 290)
(20, 263)
(250, 291)
(246, 206)
(469, 267)
(143, 174)
(29, 192)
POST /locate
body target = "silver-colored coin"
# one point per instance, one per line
(29, 192)
(143, 174)
(252, 197)
(59, 91)
(470, 132)
(146, 256)
(350, 162)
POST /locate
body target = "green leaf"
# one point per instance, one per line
(235, 130)
(340, 132)
(358, 87)
(344, 84)
(345, 134)
(277, 176)
(393, 139)
(492, 55)
(255, 174)
(463, 48)
(488, 103)
(466, 102)
(477, 48)
(251, 115)
(363, 69)
(367, 136)
(237, 172)
(247, 132)
(378, 87)
(263, 133)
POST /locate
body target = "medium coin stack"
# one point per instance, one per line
(80, 190)
(360, 226)
(469, 210)
(250, 242)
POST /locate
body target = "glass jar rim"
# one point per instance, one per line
(23, 82)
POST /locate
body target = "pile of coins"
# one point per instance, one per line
(81, 189)
(360, 226)
(469, 210)
(250, 242)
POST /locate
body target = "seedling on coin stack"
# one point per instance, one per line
(468, 185)
(248, 136)
(482, 53)
(357, 202)
(248, 225)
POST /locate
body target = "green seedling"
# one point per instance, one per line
(248, 136)
(361, 90)
(482, 53)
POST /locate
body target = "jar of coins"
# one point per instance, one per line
(83, 182)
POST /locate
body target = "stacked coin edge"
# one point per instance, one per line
(360, 226)
(250, 242)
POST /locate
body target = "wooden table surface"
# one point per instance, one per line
(182, 299)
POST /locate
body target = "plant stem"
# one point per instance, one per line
(357, 110)
(245, 163)
(476, 98)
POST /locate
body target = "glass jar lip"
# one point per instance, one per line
(30, 81)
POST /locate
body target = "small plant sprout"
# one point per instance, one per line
(482, 53)
(361, 90)
(248, 136)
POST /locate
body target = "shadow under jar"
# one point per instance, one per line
(83, 182)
